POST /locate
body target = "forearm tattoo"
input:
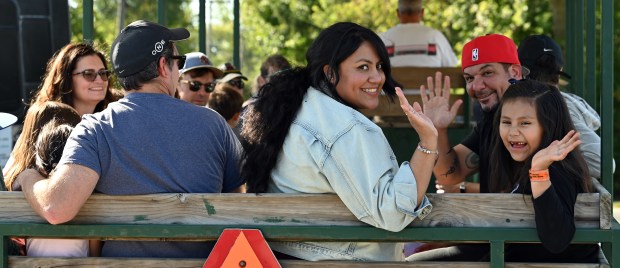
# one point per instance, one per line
(452, 168)
(472, 160)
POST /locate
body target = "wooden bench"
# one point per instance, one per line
(494, 218)
(391, 115)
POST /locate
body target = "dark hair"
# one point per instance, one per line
(225, 100)
(57, 83)
(150, 72)
(49, 146)
(37, 116)
(268, 119)
(553, 116)
(273, 64)
(546, 69)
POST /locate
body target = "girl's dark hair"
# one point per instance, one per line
(37, 116)
(49, 146)
(268, 119)
(553, 116)
(58, 80)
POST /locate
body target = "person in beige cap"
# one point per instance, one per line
(197, 79)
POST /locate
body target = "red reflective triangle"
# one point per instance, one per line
(237, 246)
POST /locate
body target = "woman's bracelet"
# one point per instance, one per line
(426, 150)
(539, 175)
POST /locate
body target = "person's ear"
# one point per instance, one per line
(329, 73)
(515, 71)
(162, 67)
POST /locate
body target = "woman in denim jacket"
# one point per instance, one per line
(305, 134)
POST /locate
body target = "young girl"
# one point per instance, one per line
(537, 153)
(48, 150)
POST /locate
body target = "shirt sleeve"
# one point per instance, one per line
(362, 169)
(81, 147)
(554, 211)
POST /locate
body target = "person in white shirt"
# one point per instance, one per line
(411, 43)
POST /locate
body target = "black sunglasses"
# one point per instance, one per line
(181, 59)
(237, 83)
(195, 85)
(91, 75)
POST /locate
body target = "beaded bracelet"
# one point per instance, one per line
(539, 175)
(426, 150)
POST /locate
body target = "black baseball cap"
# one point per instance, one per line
(141, 43)
(535, 46)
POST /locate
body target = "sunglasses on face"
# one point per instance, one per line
(237, 83)
(91, 75)
(181, 60)
(195, 85)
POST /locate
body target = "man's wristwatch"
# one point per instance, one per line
(462, 187)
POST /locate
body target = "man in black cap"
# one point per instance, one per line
(148, 142)
(543, 57)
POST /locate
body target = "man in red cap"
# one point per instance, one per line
(489, 63)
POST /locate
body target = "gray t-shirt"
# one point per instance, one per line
(153, 143)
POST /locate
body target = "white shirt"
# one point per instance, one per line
(57, 247)
(417, 45)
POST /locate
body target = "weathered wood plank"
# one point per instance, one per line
(192, 263)
(605, 204)
(449, 210)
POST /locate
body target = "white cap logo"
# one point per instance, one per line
(474, 54)
(159, 46)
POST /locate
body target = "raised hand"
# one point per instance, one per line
(418, 120)
(437, 103)
(556, 151)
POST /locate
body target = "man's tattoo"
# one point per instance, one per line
(472, 160)
(452, 168)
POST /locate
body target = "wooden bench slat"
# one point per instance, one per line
(449, 210)
(193, 263)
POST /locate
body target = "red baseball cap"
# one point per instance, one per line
(489, 48)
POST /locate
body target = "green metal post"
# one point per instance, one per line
(607, 86)
(497, 253)
(236, 39)
(569, 64)
(87, 21)
(607, 113)
(591, 88)
(577, 74)
(4, 250)
(202, 43)
(161, 12)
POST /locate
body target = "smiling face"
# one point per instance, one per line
(520, 129)
(361, 78)
(487, 83)
(85, 92)
(199, 97)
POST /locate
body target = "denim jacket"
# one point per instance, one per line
(332, 148)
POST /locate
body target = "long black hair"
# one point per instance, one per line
(553, 116)
(266, 122)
